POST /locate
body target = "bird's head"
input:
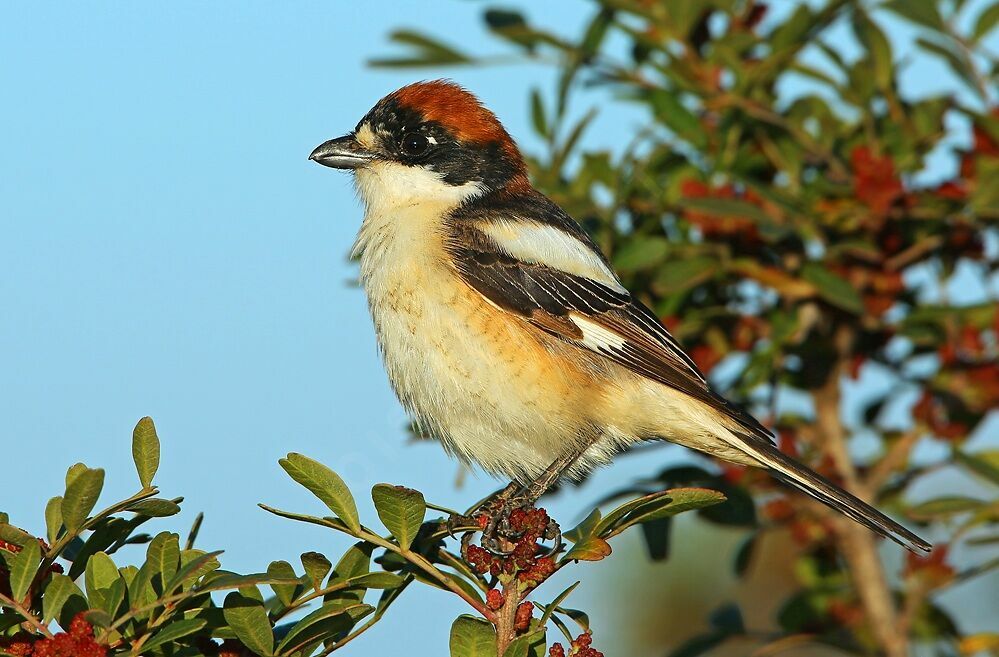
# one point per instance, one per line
(427, 142)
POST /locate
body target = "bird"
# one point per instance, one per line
(503, 328)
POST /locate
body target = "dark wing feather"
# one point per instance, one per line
(545, 297)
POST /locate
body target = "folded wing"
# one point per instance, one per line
(551, 275)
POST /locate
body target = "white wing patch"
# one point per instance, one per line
(595, 336)
(542, 244)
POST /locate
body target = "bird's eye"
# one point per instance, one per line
(414, 144)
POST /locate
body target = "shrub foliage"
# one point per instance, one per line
(64, 595)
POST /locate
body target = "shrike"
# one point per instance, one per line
(505, 331)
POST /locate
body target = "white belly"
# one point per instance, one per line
(466, 376)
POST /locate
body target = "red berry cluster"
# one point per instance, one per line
(875, 181)
(78, 642)
(522, 619)
(495, 599)
(580, 648)
(523, 562)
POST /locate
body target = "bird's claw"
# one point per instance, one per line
(553, 533)
(456, 523)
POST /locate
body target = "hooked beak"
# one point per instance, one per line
(342, 153)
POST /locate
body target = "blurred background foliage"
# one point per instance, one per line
(800, 248)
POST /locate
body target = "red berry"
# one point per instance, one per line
(522, 620)
(494, 599)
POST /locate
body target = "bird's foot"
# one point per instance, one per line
(512, 521)
(462, 523)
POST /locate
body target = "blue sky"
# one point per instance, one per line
(169, 251)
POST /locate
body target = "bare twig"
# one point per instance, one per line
(896, 456)
(855, 541)
(506, 616)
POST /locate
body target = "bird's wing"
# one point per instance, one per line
(554, 277)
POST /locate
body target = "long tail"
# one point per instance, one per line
(795, 474)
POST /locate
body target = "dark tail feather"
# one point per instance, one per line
(795, 474)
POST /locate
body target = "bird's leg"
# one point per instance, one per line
(498, 527)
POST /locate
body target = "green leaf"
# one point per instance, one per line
(163, 556)
(832, 288)
(355, 562)
(53, 519)
(401, 510)
(472, 637)
(512, 25)
(248, 619)
(106, 533)
(175, 630)
(526, 645)
(655, 506)
(728, 207)
(316, 566)
(324, 484)
(23, 567)
(592, 548)
(155, 508)
(328, 610)
(955, 59)
(876, 43)
(674, 115)
(578, 617)
(921, 12)
(97, 618)
(101, 573)
(608, 522)
(641, 252)
(538, 114)
(145, 450)
(222, 580)
(682, 274)
(81, 495)
(986, 22)
(584, 529)
(427, 52)
(194, 565)
(141, 592)
(326, 630)
(58, 591)
(945, 506)
(985, 198)
(73, 471)
(378, 581)
(985, 463)
(110, 599)
(285, 592)
(559, 599)
(15, 535)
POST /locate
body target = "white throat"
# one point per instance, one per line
(386, 186)
(404, 212)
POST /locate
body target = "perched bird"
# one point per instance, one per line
(505, 331)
